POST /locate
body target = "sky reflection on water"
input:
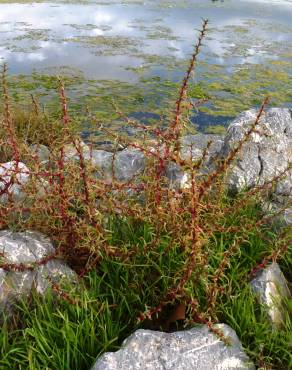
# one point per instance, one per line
(48, 35)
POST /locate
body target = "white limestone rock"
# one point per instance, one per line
(13, 177)
(103, 163)
(194, 349)
(178, 178)
(271, 288)
(27, 248)
(71, 153)
(24, 247)
(14, 285)
(128, 164)
(193, 146)
(57, 271)
(266, 154)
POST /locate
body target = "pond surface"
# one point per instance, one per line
(138, 50)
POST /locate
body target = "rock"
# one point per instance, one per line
(24, 247)
(194, 349)
(13, 286)
(2, 276)
(103, 163)
(266, 154)
(178, 179)
(56, 270)
(284, 186)
(283, 198)
(13, 176)
(271, 288)
(43, 188)
(42, 152)
(128, 163)
(123, 165)
(19, 176)
(108, 146)
(281, 207)
(287, 216)
(27, 248)
(192, 146)
(70, 152)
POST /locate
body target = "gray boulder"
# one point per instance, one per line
(193, 146)
(287, 216)
(102, 161)
(123, 165)
(27, 248)
(128, 163)
(271, 288)
(280, 208)
(42, 152)
(194, 349)
(24, 247)
(71, 153)
(284, 187)
(13, 176)
(177, 177)
(283, 198)
(266, 154)
(55, 270)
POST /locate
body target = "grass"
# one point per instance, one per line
(142, 248)
(51, 333)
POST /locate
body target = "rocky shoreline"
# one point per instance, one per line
(266, 155)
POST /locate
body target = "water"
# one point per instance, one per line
(129, 41)
(48, 35)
